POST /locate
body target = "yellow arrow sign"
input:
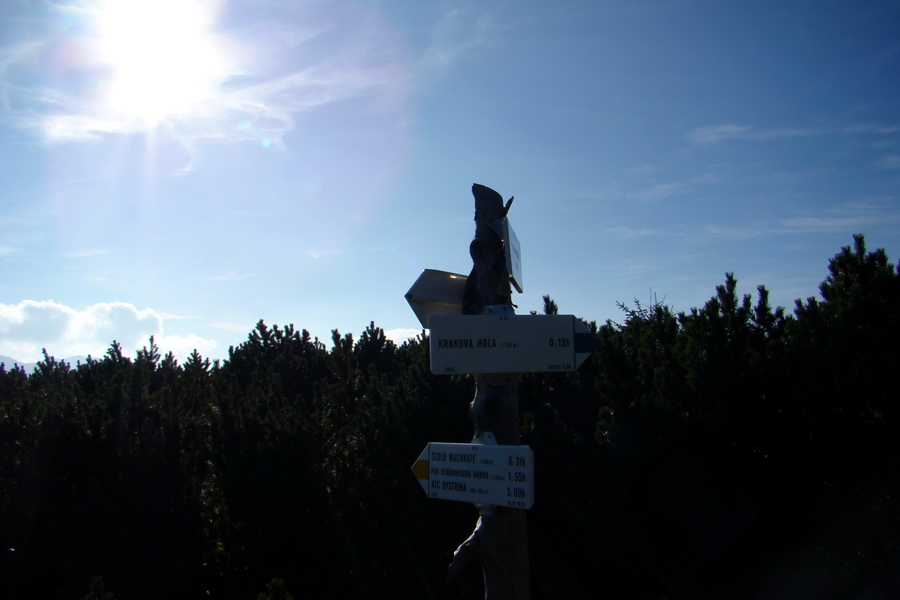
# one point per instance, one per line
(420, 469)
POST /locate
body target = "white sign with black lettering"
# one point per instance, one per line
(477, 473)
(508, 343)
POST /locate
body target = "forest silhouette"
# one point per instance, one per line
(731, 451)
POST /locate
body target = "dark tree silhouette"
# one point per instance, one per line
(730, 451)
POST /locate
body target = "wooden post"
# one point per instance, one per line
(499, 540)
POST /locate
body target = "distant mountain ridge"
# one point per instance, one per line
(10, 362)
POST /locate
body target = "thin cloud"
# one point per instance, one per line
(319, 254)
(862, 215)
(167, 316)
(86, 253)
(871, 129)
(12, 56)
(715, 134)
(459, 32)
(633, 233)
(851, 217)
(659, 192)
(242, 328)
(227, 276)
(732, 232)
(890, 162)
(777, 134)
(720, 133)
(833, 223)
(664, 191)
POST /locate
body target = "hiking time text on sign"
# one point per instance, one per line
(508, 343)
(477, 473)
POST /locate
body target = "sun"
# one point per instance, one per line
(162, 57)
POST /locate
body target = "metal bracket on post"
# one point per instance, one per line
(486, 438)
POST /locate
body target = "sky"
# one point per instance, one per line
(185, 168)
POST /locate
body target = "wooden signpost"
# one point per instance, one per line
(474, 330)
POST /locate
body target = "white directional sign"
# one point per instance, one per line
(436, 293)
(508, 343)
(477, 473)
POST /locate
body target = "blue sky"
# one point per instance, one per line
(183, 168)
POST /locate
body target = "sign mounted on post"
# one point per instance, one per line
(436, 293)
(513, 251)
(508, 343)
(477, 473)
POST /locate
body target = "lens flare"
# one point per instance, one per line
(162, 56)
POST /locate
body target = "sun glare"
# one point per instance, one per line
(162, 56)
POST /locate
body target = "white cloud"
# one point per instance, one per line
(248, 73)
(182, 345)
(32, 325)
(401, 335)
